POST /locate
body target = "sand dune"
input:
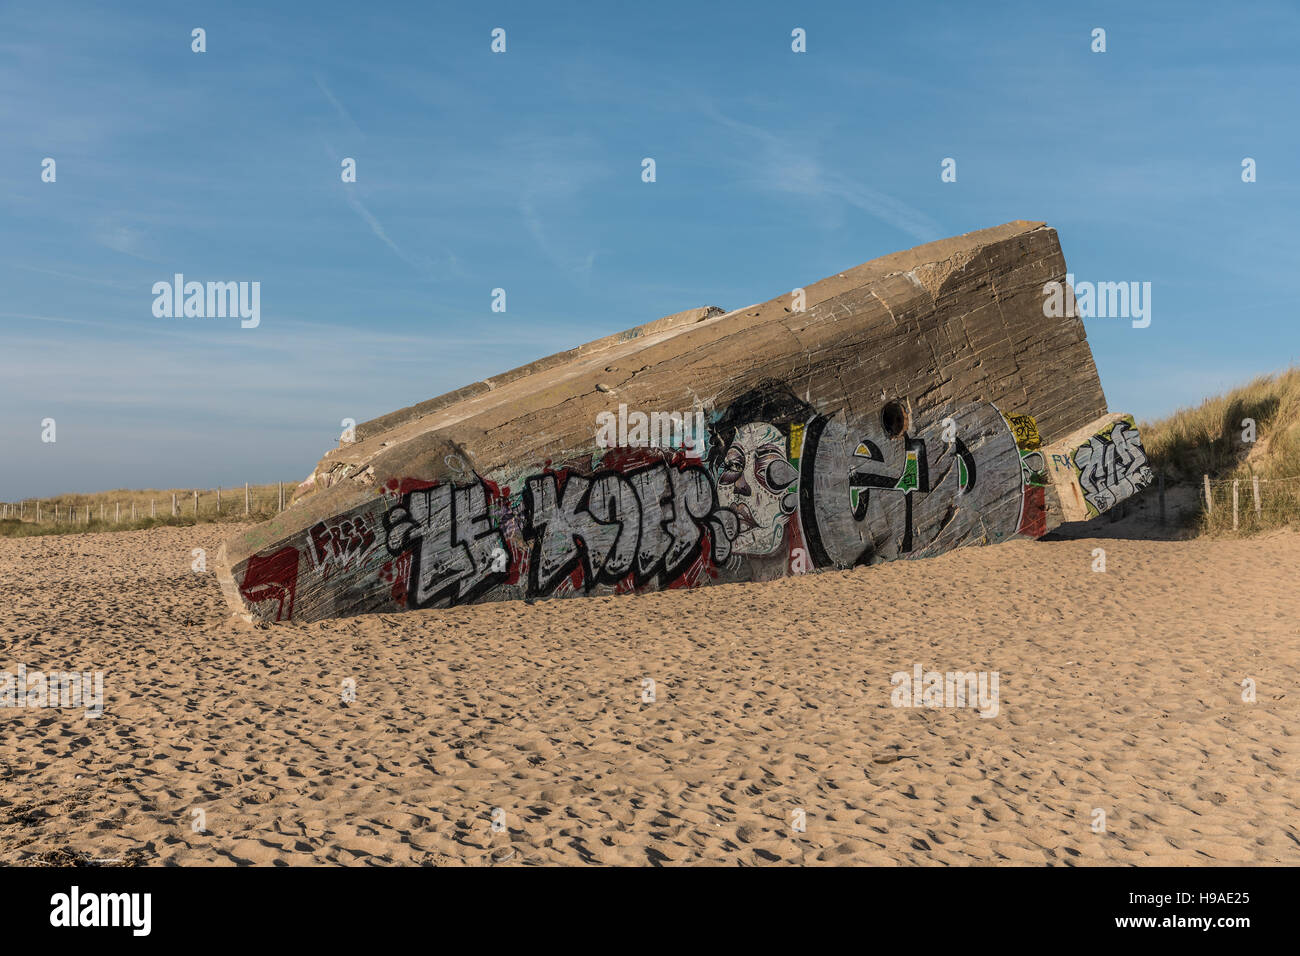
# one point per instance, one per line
(1118, 691)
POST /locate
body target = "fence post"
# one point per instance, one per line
(173, 504)
(245, 499)
(280, 486)
(153, 508)
(196, 502)
(1234, 504)
(218, 501)
(117, 513)
(1254, 481)
(1209, 499)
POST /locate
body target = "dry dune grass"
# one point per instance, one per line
(1210, 439)
(112, 510)
(1120, 692)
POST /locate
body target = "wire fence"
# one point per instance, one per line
(1250, 503)
(109, 508)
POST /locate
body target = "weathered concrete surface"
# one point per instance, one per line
(868, 425)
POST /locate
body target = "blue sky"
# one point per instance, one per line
(523, 171)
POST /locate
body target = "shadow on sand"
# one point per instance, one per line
(1140, 519)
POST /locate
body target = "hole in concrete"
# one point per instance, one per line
(893, 418)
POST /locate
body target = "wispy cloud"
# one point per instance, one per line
(377, 228)
(123, 239)
(111, 283)
(788, 166)
(555, 171)
(338, 107)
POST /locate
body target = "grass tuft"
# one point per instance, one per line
(1213, 439)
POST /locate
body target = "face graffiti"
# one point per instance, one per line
(754, 448)
(756, 481)
(776, 489)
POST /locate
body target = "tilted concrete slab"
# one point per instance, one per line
(1097, 466)
(896, 409)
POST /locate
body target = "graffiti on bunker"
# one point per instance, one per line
(777, 487)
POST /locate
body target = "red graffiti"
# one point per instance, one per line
(272, 577)
(623, 458)
(397, 572)
(334, 548)
(395, 488)
(1033, 515)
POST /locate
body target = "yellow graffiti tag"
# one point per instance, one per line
(1026, 431)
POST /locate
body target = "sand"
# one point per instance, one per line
(1119, 692)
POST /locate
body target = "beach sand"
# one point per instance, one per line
(1120, 693)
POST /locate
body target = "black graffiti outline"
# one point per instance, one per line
(812, 533)
(965, 455)
(449, 588)
(668, 561)
(1109, 464)
(865, 481)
